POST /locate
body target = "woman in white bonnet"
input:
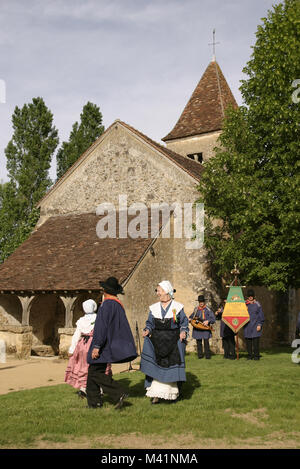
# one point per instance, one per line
(162, 359)
(77, 369)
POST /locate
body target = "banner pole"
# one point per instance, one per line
(237, 338)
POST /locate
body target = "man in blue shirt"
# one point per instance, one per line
(112, 343)
(253, 328)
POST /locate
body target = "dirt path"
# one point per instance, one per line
(17, 375)
(136, 441)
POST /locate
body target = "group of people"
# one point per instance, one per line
(103, 337)
(252, 329)
(100, 339)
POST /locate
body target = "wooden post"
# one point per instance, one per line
(68, 302)
(26, 302)
(237, 336)
(237, 346)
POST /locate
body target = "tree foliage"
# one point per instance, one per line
(81, 137)
(250, 188)
(30, 151)
(29, 155)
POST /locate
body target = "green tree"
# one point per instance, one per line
(81, 137)
(250, 188)
(28, 154)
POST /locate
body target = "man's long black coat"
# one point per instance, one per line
(112, 335)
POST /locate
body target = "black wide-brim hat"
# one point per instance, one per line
(112, 286)
(250, 293)
(201, 299)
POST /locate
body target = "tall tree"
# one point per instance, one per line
(251, 189)
(28, 154)
(13, 229)
(30, 151)
(81, 137)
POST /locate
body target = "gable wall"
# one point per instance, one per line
(120, 164)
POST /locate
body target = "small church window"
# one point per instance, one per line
(196, 157)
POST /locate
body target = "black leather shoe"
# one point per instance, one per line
(81, 394)
(120, 403)
(97, 406)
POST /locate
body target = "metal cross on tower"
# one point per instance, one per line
(214, 43)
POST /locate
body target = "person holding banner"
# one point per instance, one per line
(253, 329)
(227, 334)
(207, 317)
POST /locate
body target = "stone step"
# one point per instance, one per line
(43, 350)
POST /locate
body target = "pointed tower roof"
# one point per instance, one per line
(205, 109)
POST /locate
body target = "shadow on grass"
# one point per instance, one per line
(277, 350)
(190, 386)
(138, 389)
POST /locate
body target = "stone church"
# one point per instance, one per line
(44, 282)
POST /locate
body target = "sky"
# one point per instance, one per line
(138, 60)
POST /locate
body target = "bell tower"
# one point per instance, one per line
(196, 132)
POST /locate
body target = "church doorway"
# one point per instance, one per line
(47, 315)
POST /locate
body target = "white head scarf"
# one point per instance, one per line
(89, 306)
(167, 287)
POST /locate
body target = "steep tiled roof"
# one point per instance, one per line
(65, 253)
(205, 109)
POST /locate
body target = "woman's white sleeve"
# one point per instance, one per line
(75, 338)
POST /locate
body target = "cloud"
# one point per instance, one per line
(138, 60)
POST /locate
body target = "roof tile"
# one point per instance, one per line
(205, 109)
(65, 253)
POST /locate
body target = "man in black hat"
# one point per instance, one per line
(207, 317)
(253, 328)
(112, 343)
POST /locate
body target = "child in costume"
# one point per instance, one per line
(77, 369)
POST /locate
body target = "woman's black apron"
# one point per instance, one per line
(164, 340)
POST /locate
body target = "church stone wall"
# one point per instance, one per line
(18, 340)
(191, 277)
(198, 144)
(140, 288)
(186, 269)
(120, 164)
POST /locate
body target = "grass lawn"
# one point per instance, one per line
(227, 404)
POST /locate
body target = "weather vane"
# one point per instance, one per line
(214, 43)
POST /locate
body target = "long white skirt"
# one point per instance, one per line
(163, 390)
